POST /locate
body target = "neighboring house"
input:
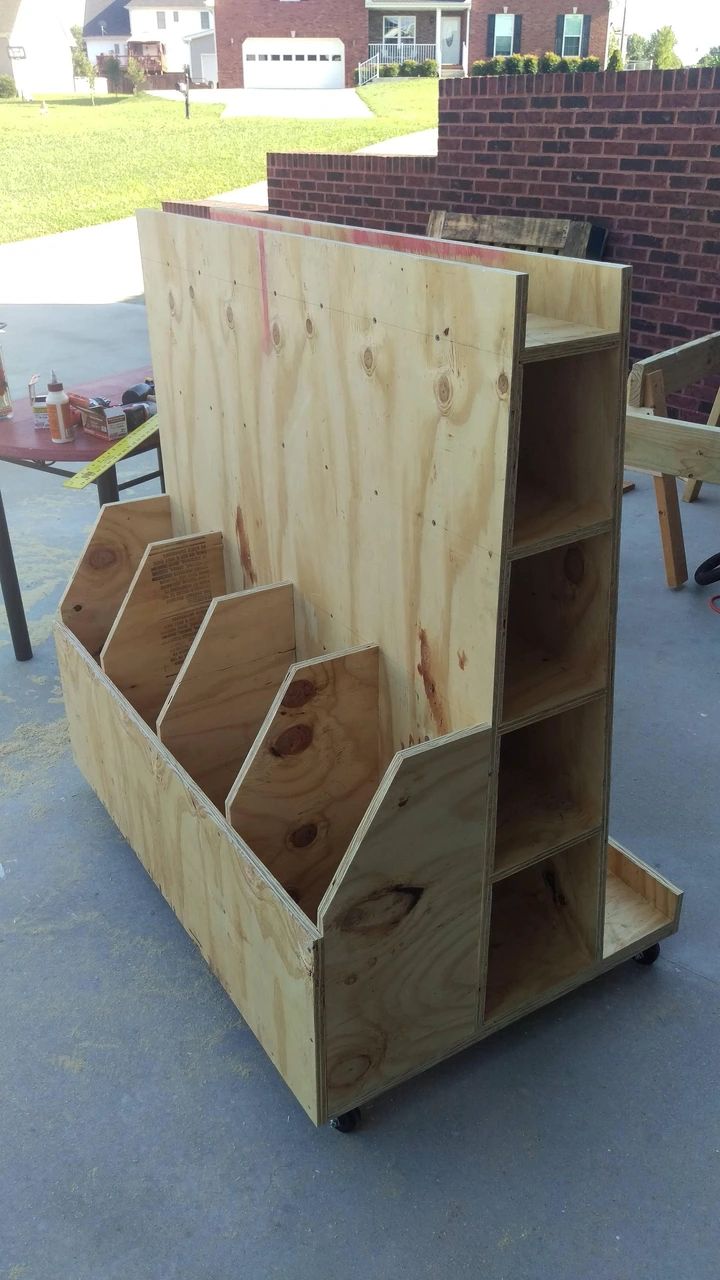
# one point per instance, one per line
(319, 43)
(107, 29)
(35, 46)
(174, 28)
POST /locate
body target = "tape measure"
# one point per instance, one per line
(114, 454)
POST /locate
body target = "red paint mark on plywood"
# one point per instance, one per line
(249, 574)
(424, 667)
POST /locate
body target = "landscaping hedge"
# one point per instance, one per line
(519, 64)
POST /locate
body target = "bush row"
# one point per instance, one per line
(520, 64)
(7, 87)
(408, 68)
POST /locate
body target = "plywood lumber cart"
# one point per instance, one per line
(347, 690)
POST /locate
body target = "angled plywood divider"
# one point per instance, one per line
(229, 678)
(311, 772)
(112, 553)
(373, 779)
(157, 621)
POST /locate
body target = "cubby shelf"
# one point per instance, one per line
(549, 339)
(542, 523)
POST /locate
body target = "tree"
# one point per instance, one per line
(135, 74)
(638, 48)
(662, 49)
(712, 58)
(112, 69)
(79, 51)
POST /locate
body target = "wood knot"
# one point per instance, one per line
(171, 302)
(574, 565)
(230, 317)
(382, 911)
(302, 836)
(292, 741)
(444, 392)
(298, 693)
(309, 327)
(102, 557)
(276, 332)
(368, 360)
(503, 384)
(191, 291)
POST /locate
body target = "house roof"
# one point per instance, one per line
(105, 18)
(8, 14)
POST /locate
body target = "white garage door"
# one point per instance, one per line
(294, 64)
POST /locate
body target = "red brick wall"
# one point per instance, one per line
(539, 18)
(235, 20)
(638, 152)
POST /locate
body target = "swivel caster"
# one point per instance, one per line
(347, 1122)
(649, 955)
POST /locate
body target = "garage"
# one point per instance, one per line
(293, 64)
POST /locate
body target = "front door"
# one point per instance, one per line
(450, 40)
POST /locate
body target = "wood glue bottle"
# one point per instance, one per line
(59, 413)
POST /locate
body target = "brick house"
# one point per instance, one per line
(319, 43)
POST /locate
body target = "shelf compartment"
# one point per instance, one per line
(543, 929)
(551, 786)
(547, 338)
(557, 629)
(640, 906)
(567, 466)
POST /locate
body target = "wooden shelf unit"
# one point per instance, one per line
(346, 693)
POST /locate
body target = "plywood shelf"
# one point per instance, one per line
(639, 904)
(548, 339)
(557, 629)
(542, 521)
(543, 928)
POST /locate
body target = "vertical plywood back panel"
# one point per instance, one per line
(344, 414)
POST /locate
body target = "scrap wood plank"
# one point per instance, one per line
(668, 445)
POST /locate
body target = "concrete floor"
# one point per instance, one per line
(144, 1134)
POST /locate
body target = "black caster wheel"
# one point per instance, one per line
(649, 955)
(346, 1123)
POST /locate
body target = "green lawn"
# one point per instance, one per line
(78, 164)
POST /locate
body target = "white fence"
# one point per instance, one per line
(369, 70)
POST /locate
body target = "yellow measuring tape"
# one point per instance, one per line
(114, 454)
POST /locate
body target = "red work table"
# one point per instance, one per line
(26, 446)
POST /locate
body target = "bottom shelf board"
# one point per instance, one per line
(537, 682)
(530, 966)
(534, 822)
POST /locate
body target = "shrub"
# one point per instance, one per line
(135, 74)
(389, 69)
(530, 64)
(514, 65)
(568, 64)
(589, 64)
(409, 67)
(112, 69)
(478, 68)
(615, 61)
(7, 87)
(495, 66)
(548, 62)
(428, 68)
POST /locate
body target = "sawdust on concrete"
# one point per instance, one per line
(32, 747)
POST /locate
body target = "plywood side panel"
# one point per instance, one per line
(403, 918)
(345, 413)
(249, 932)
(234, 667)
(108, 563)
(159, 618)
(312, 772)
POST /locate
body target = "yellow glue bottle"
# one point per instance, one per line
(59, 413)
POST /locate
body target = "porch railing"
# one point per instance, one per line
(369, 70)
(401, 52)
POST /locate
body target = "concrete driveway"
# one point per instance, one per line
(293, 104)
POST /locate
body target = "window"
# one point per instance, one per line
(398, 30)
(160, 20)
(504, 35)
(205, 21)
(176, 16)
(572, 35)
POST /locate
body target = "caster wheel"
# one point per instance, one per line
(346, 1123)
(649, 956)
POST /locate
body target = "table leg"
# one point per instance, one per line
(11, 594)
(107, 487)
